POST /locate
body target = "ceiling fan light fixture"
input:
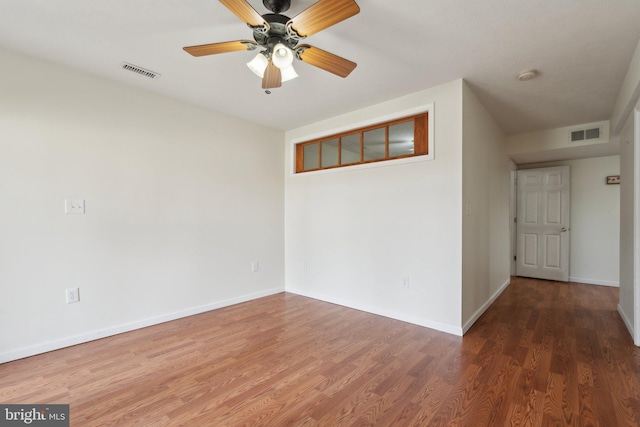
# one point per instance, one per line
(288, 73)
(258, 65)
(282, 56)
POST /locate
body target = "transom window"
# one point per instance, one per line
(406, 137)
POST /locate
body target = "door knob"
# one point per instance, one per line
(563, 229)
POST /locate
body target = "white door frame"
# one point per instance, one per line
(636, 237)
(512, 218)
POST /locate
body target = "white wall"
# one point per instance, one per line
(179, 202)
(595, 220)
(353, 235)
(554, 144)
(553, 139)
(485, 224)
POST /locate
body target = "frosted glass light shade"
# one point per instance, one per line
(258, 65)
(282, 56)
(288, 73)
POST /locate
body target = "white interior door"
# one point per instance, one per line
(543, 223)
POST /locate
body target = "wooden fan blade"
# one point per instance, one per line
(245, 12)
(323, 14)
(327, 61)
(272, 77)
(215, 48)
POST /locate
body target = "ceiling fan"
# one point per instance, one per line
(280, 36)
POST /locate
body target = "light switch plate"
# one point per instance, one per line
(74, 206)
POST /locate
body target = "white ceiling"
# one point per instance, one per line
(582, 49)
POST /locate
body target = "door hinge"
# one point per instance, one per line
(514, 258)
(515, 220)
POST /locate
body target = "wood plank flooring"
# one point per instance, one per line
(544, 354)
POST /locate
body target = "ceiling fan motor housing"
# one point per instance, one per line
(277, 32)
(277, 6)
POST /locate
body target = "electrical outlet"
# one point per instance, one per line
(73, 295)
(405, 282)
(74, 206)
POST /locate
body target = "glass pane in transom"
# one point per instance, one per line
(374, 144)
(311, 156)
(350, 152)
(401, 139)
(330, 153)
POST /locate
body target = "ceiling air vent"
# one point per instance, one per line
(141, 71)
(585, 134)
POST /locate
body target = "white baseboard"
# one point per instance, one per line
(23, 352)
(594, 282)
(442, 327)
(469, 323)
(626, 321)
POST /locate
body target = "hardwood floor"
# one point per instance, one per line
(545, 354)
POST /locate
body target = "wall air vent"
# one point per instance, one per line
(585, 134)
(140, 70)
